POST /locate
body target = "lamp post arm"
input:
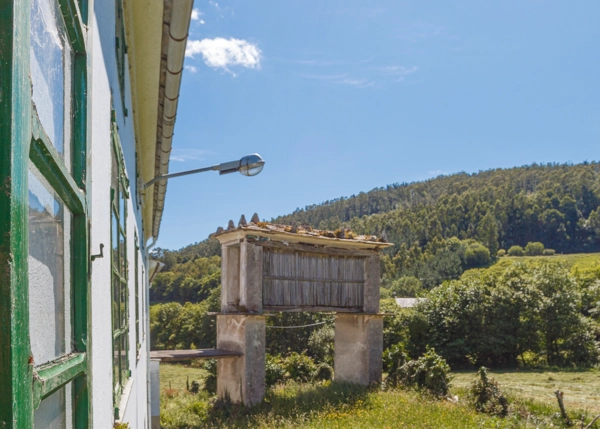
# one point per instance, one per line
(181, 173)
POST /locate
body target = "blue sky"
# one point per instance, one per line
(341, 97)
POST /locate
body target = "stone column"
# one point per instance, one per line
(241, 378)
(358, 348)
(155, 393)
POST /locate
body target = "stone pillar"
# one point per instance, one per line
(230, 277)
(241, 378)
(155, 393)
(358, 348)
(251, 272)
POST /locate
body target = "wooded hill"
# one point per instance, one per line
(555, 204)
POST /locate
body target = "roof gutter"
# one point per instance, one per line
(176, 23)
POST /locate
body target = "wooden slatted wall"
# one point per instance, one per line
(300, 279)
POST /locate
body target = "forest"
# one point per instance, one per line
(525, 314)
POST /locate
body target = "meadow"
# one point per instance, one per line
(331, 405)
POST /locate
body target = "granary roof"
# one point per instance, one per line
(341, 238)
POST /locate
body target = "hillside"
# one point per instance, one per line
(555, 204)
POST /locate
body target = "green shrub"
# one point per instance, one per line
(485, 395)
(324, 372)
(320, 344)
(210, 382)
(549, 252)
(299, 366)
(476, 255)
(534, 249)
(516, 251)
(429, 373)
(274, 371)
(501, 253)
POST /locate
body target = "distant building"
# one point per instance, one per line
(408, 302)
(88, 101)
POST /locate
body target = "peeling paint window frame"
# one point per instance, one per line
(119, 269)
(69, 182)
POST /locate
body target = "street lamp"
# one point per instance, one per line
(249, 165)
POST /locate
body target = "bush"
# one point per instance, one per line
(534, 249)
(476, 255)
(299, 366)
(274, 371)
(516, 251)
(320, 344)
(210, 382)
(324, 372)
(549, 252)
(429, 373)
(501, 253)
(485, 395)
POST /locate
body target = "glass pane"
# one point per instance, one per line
(49, 271)
(124, 362)
(56, 411)
(116, 364)
(115, 241)
(123, 305)
(51, 70)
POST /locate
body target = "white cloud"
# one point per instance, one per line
(191, 69)
(183, 155)
(196, 14)
(223, 53)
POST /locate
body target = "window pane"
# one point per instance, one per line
(115, 241)
(51, 70)
(56, 411)
(116, 363)
(49, 271)
(123, 305)
(124, 351)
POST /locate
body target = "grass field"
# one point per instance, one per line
(342, 406)
(581, 388)
(579, 261)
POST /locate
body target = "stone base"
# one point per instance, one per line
(358, 348)
(242, 379)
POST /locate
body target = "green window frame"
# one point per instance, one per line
(120, 49)
(23, 385)
(137, 296)
(120, 269)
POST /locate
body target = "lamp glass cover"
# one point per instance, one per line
(251, 165)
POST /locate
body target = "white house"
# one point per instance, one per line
(88, 101)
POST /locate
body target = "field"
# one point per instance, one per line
(581, 388)
(329, 405)
(578, 261)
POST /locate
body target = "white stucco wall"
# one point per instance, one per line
(103, 80)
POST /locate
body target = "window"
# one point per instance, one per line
(121, 49)
(44, 282)
(137, 297)
(120, 269)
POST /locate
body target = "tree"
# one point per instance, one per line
(487, 232)
(534, 249)
(516, 251)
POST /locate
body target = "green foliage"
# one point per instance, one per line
(210, 382)
(476, 255)
(406, 286)
(324, 372)
(496, 318)
(299, 367)
(429, 373)
(516, 251)
(191, 281)
(548, 252)
(274, 371)
(320, 344)
(485, 395)
(534, 249)
(501, 253)
(175, 326)
(283, 341)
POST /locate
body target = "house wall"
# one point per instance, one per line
(104, 85)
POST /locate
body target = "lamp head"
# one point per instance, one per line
(251, 165)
